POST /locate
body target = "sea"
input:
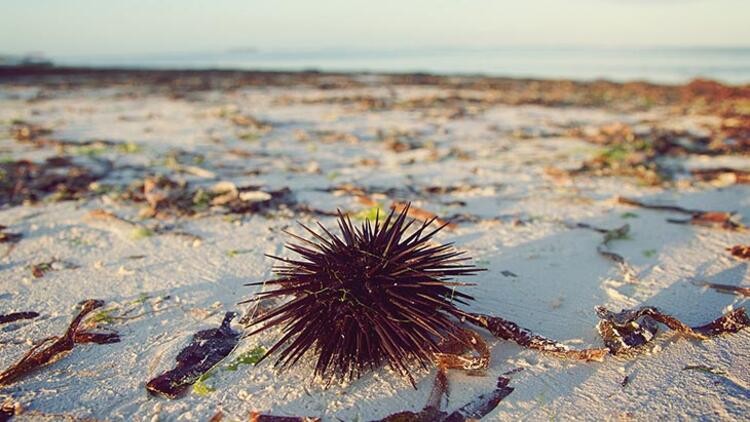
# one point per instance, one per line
(655, 64)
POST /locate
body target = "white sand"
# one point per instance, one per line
(560, 276)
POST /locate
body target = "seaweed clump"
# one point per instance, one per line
(57, 178)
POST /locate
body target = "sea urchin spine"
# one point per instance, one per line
(376, 294)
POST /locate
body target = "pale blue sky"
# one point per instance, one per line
(85, 27)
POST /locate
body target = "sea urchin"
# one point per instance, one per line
(379, 293)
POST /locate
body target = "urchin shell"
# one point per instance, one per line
(378, 293)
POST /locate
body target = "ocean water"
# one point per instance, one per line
(665, 65)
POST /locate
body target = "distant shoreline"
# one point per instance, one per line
(45, 74)
(698, 94)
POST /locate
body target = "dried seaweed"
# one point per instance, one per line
(625, 381)
(38, 136)
(250, 122)
(17, 316)
(625, 160)
(24, 132)
(259, 417)
(740, 251)
(51, 349)
(9, 408)
(465, 350)
(474, 410)
(621, 332)
(166, 198)
(90, 148)
(603, 248)
(139, 231)
(58, 177)
(8, 237)
(420, 214)
(206, 349)
(482, 405)
(621, 337)
(731, 322)
(38, 270)
(725, 176)
(717, 219)
(509, 330)
(431, 411)
(253, 199)
(629, 329)
(633, 202)
(727, 288)
(652, 141)
(641, 153)
(722, 375)
(325, 136)
(302, 208)
(630, 154)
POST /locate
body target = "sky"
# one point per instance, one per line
(95, 27)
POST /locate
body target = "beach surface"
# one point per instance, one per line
(184, 180)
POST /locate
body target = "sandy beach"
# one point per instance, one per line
(160, 192)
